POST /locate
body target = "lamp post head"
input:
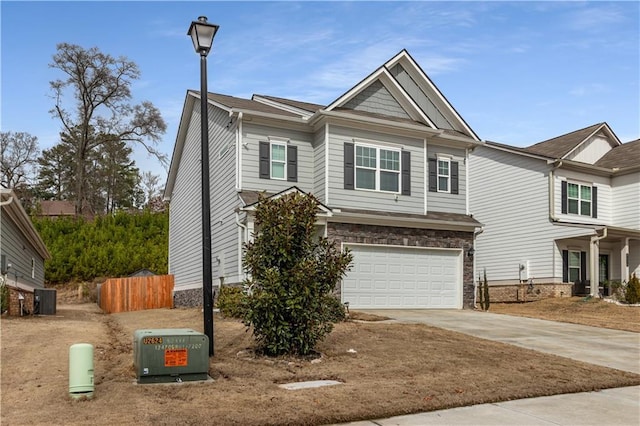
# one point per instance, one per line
(202, 34)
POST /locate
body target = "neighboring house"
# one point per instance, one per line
(22, 253)
(560, 214)
(55, 209)
(388, 161)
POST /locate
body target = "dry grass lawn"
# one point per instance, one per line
(576, 310)
(397, 369)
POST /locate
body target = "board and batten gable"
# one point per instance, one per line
(20, 253)
(339, 197)
(252, 135)
(423, 101)
(509, 195)
(626, 200)
(604, 200)
(443, 201)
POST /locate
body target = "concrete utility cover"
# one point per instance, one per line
(308, 385)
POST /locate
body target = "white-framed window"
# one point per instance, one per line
(574, 266)
(377, 168)
(278, 157)
(579, 199)
(444, 174)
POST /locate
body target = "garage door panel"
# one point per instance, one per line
(399, 277)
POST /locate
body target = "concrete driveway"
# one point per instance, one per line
(609, 348)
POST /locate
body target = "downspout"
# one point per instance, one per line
(241, 241)
(552, 190)
(466, 178)
(2, 204)
(476, 232)
(594, 266)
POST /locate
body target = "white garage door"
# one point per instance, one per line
(399, 277)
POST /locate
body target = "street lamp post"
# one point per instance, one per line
(202, 34)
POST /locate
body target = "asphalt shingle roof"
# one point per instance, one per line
(296, 104)
(559, 146)
(625, 155)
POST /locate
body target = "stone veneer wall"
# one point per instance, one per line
(523, 293)
(192, 298)
(410, 237)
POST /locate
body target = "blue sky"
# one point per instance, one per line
(517, 72)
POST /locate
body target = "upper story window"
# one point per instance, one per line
(278, 161)
(443, 175)
(377, 168)
(579, 199)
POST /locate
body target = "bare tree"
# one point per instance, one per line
(150, 184)
(100, 86)
(18, 157)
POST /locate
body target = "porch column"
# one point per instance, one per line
(594, 267)
(624, 265)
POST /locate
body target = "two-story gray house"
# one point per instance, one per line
(388, 160)
(560, 215)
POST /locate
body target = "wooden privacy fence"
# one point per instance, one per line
(136, 293)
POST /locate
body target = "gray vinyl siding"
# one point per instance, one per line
(442, 201)
(224, 198)
(377, 99)
(509, 195)
(604, 203)
(374, 200)
(19, 252)
(626, 201)
(253, 134)
(634, 258)
(420, 98)
(185, 213)
(185, 217)
(319, 166)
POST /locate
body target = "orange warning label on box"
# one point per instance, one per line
(175, 357)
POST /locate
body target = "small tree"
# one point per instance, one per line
(293, 273)
(632, 292)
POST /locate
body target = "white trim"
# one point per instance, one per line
(239, 147)
(364, 143)
(279, 105)
(466, 180)
(326, 164)
(425, 177)
(447, 159)
(273, 143)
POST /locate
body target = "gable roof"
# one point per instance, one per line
(416, 94)
(231, 102)
(273, 100)
(57, 208)
(622, 156)
(561, 146)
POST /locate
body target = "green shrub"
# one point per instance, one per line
(4, 295)
(293, 274)
(632, 292)
(230, 302)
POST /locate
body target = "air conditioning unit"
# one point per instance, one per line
(170, 355)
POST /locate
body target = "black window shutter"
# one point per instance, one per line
(406, 173)
(565, 266)
(264, 160)
(349, 169)
(454, 177)
(564, 197)
(292, 163)
(594, 201)
(433, 175)
(583, 266)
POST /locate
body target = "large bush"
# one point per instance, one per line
(293, 272)
(110, 246)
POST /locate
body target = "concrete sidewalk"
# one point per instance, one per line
(609, 348)
(619, 407)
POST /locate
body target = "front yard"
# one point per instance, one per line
(395, 369)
